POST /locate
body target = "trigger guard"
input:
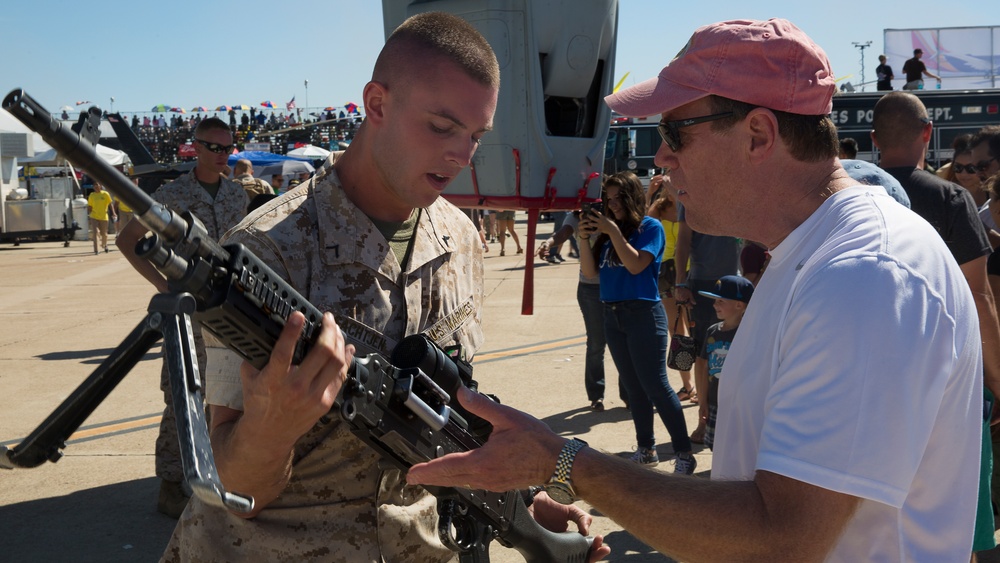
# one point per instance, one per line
(455, 532)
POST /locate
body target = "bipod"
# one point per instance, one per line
(169, 318)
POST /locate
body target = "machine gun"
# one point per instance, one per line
(404, 409)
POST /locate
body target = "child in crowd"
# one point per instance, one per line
(731, 294)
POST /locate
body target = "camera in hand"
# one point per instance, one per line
(588, 206)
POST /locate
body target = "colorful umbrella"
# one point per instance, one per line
(329, 108)
(223, 108)
(161, 108)
(199, 108)
(242, 107)
(351, 107)
(178, 110)
(268, 104)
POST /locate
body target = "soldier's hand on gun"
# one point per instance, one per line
(283, 400)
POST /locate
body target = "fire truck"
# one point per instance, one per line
(632, 144)
(952, 112)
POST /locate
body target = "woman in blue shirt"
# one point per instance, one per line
(627, 257)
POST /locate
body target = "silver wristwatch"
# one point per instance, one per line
(560, 487)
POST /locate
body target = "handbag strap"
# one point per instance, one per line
(682, 312)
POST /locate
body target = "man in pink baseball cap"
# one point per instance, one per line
(845, 414)
(771, 64)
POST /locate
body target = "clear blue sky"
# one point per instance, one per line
(213, 52)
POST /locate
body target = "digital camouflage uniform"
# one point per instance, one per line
(218, 215)
(341, 504)
(253, 186)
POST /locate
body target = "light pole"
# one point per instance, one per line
(307, 96)
(112, 104)
(861, 47)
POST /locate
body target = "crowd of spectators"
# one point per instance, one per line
(164, 134)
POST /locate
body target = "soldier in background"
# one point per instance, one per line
(219, 203)
(243, 175)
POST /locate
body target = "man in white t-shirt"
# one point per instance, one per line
(847, 432)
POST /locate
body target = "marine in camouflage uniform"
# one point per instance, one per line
(218, 215)
(253, 186)
(341, 504)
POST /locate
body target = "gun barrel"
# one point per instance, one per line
(83, 155)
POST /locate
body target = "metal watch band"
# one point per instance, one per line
(564, 464)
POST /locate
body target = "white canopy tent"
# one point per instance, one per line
(310, 152)
(49, 156)
(45, 155)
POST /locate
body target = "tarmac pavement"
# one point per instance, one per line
(63, 310)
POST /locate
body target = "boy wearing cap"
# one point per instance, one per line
(731, 294)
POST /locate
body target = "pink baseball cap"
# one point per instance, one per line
(771, 64)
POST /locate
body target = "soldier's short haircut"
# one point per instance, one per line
(212, 124)
(242, 167)
(436, 34)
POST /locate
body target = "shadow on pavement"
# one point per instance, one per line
(627, 548)
(94, 357)
(582, 420)
(112, 523)
(74, 253)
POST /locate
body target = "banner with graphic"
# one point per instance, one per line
(966, 58)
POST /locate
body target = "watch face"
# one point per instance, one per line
(559, 492)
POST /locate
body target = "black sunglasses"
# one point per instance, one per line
(670, 130)
(982, 165)
(216, 147)
(967, 168)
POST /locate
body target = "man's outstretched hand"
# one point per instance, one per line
(516, 436)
